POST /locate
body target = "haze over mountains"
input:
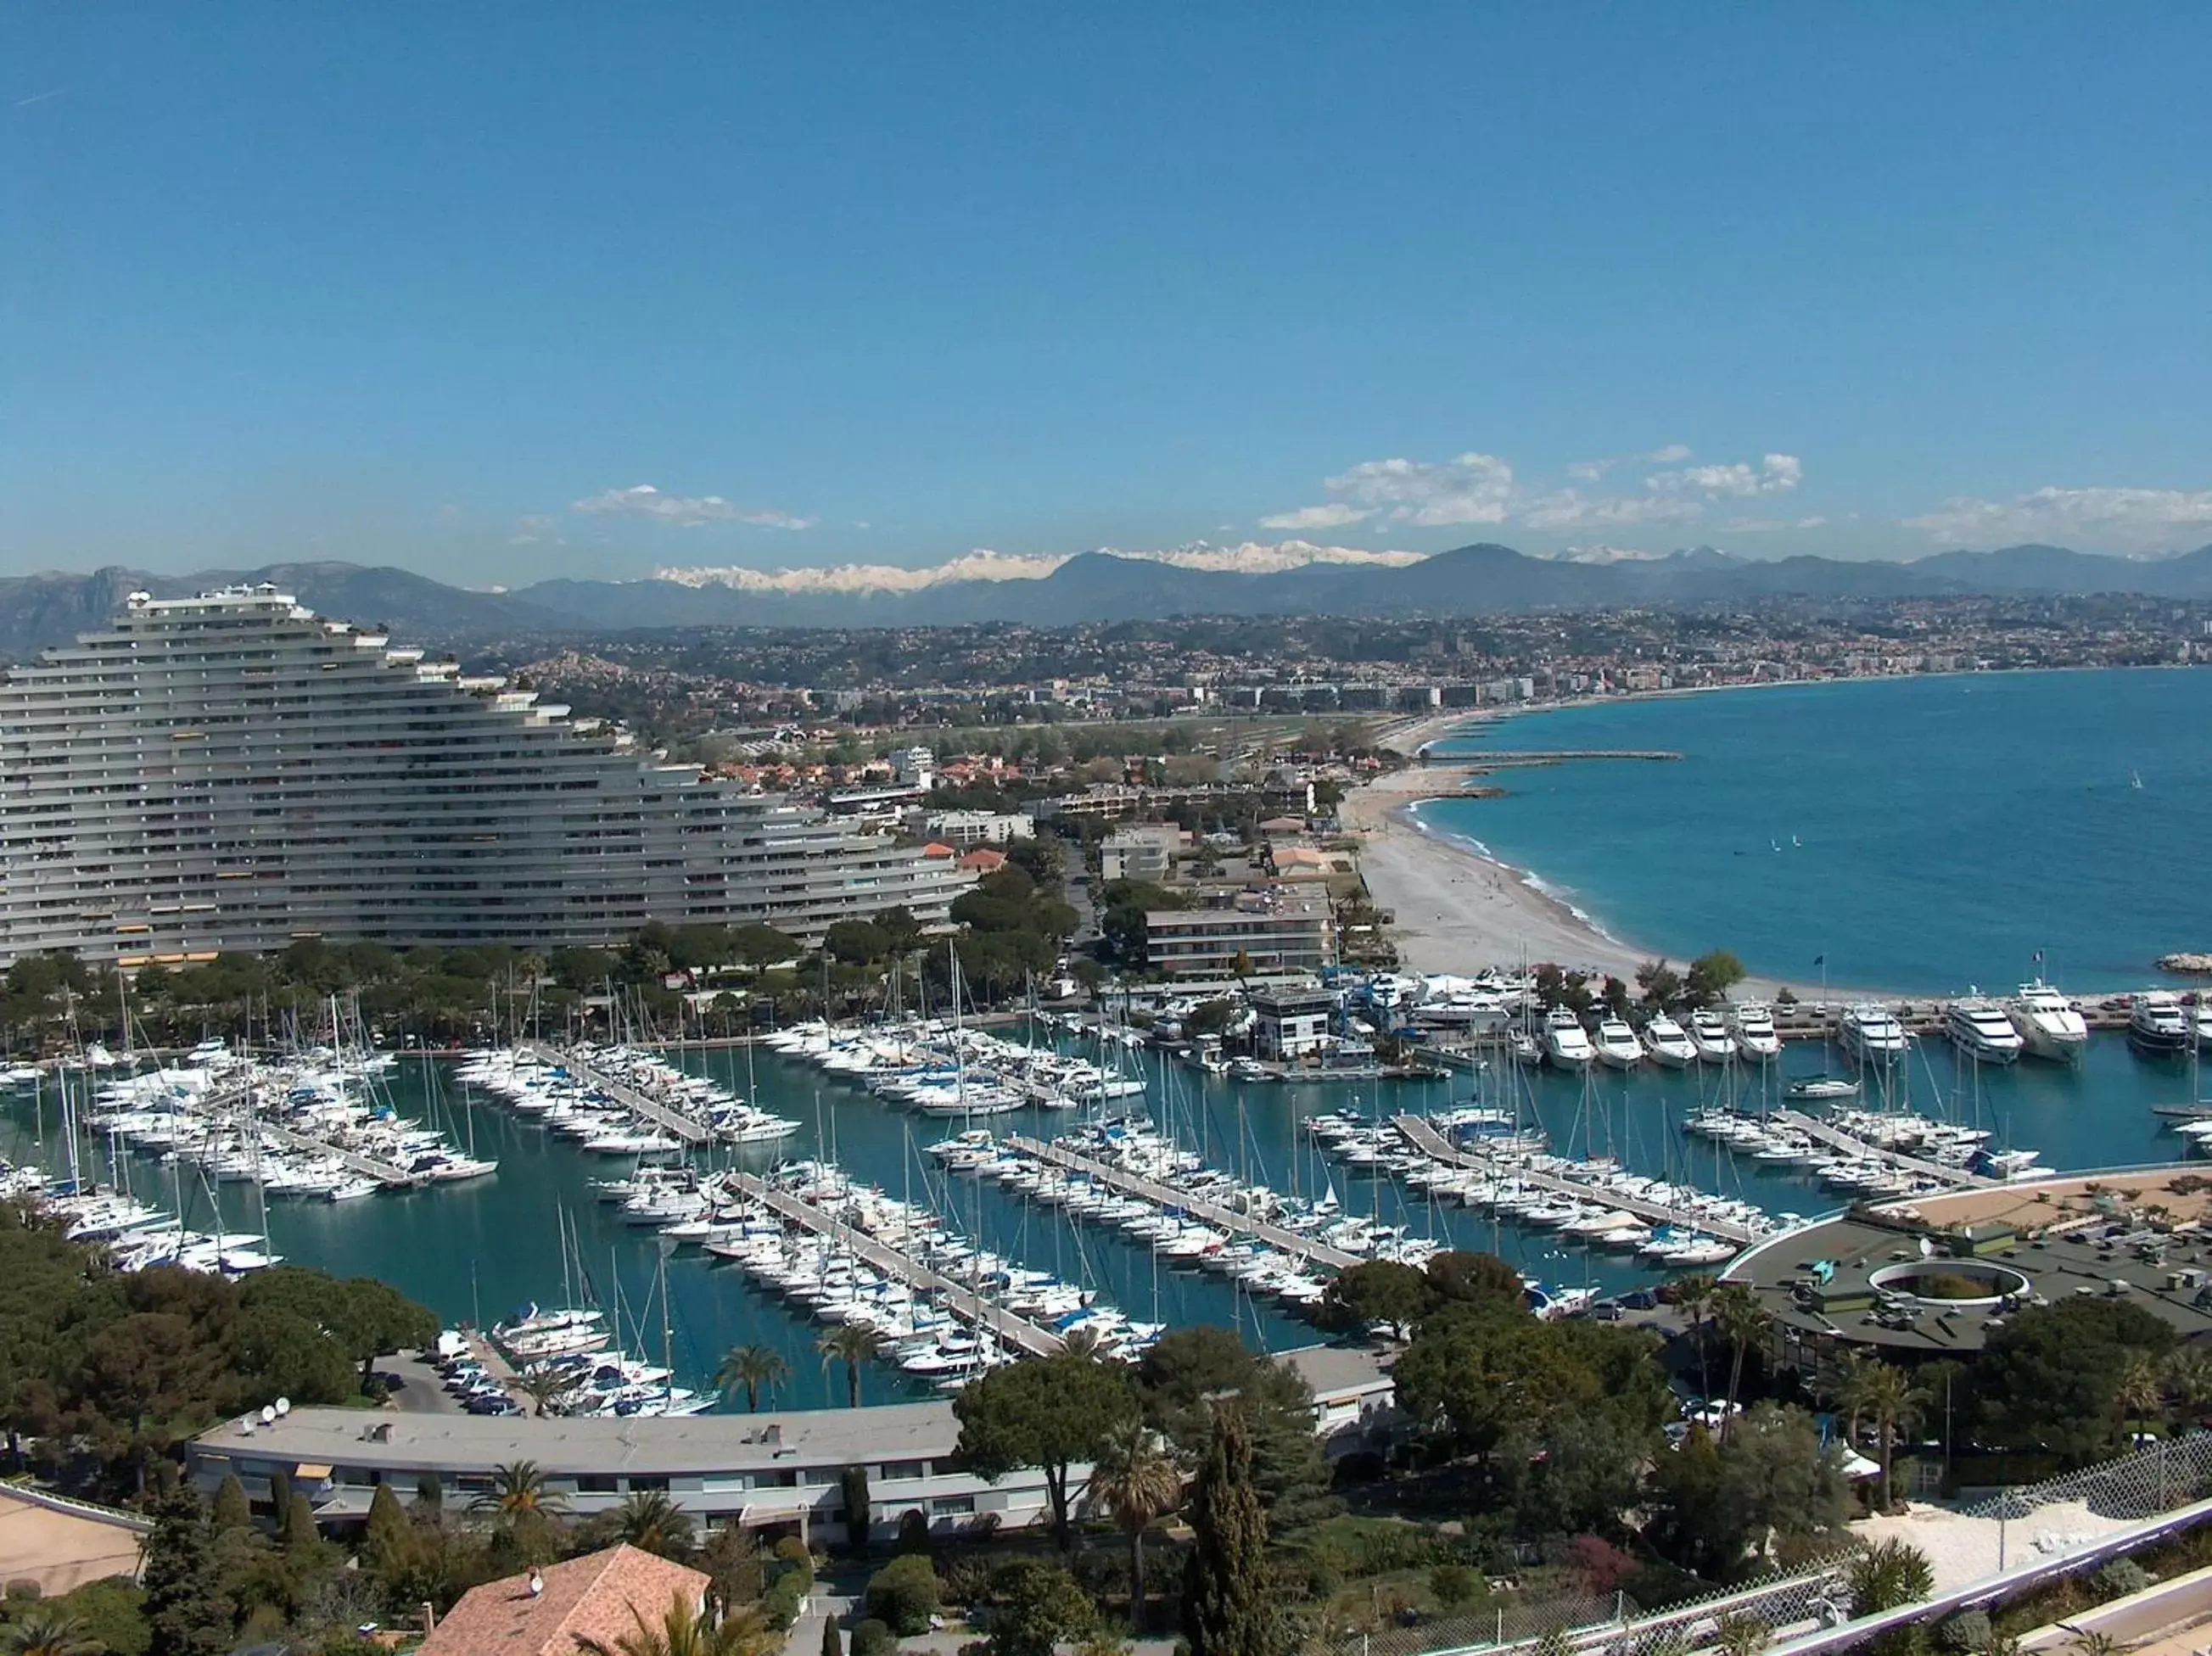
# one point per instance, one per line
(39, 610)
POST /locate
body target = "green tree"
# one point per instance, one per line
(1375, 1291)
(1040, 1607)
(1460, 1276)
(2049, 1377)
(388, 1536)
(831, 1645)
(2137, 1393)
(1138, 1485)
(1228, 1602)
(1737, 1315)
(652, 1523)
(368, 1318)
(187, 1607)
(1185, 1374)
(547, 1387)
(523, 1509)
(1877, 1392)
(1693, 1296)
(860, 1512)
(1049, 1413)
(904, 1594)
(232, 1511)
(1711, 975)
(749, 1369)
(855, 1345)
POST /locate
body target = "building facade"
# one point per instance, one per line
(1279, 929)
(234, 772)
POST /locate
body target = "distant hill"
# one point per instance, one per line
(39, 610)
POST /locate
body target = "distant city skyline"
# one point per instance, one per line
(585, 291)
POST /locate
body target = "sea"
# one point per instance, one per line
(1915, 835)
(1925, 833)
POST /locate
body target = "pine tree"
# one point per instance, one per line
(187, 1607)
(831, 1645)
(231, 1509)
(1227, 1610)
(299, 1532)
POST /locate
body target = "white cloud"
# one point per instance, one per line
(1769, 525)
(2131, 519)
(1483, 488)
(685, 511)
(1776, 474)
(1589, 471)
(1334, 515)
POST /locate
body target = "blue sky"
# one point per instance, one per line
(443, 287)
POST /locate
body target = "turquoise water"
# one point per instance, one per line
(472, 1252)
(1923, 834)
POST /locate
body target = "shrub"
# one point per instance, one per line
(872, 1638)
(1454, 1585)
(967, 1579)
(904, 1594)
(792, 1551)
(914, 1531)
(780, 1604)
(2121, 1578)
(22, 1591)
(1969, 1630)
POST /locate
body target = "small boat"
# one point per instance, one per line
(1981, 1029)
(1813, 1089)
(2157, 1027)
(2049, 1025)
(1617, 1045)
(1669, 1043)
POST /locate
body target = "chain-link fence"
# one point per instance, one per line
(2038, 1523)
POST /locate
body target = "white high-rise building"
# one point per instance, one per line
(234, 772)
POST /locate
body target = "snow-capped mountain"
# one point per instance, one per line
(1251, 558)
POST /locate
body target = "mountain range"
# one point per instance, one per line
(39, 610)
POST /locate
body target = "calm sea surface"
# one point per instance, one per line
(1922, 834)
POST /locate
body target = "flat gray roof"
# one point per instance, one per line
(679, 1446)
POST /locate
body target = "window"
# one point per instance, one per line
(638, 1483)
(953, 1505)
(896, 1469)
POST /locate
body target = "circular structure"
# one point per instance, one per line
(1958, 1284)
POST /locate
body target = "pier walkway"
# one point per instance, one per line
(238, 1101)
(688, 1128)
(1166, 1196)
(1836, 1139)
(1018, 1332)
(1423, 1137)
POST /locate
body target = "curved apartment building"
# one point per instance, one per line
(234, 772)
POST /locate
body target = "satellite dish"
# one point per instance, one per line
(268, 1415)
(283, 1406)
(1927, 1248)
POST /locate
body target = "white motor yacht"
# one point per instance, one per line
(1617, 1045)
(1980, 1030)
(1872, 1032)
(1566, 1043)
(1710, 1037)
(1752, 1022)
(2157, 1026)
(2049, 1025)
(1669, 1043)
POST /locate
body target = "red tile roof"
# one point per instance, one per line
(599, 1596)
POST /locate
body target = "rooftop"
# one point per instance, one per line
(656, 1447)
(1944, 1275)
(550, 1612)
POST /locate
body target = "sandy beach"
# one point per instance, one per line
(1458, 910)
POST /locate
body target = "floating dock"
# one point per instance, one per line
(1836, 1139)
(1166, 1196)
(1422, 1137)
(1018, 1332)
(238, 1096)
(688, 1128)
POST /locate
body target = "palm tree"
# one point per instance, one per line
(1881, 1394)
(546, 1387)
(2189, 1379)
(518, 1490)
(1080, 1341)
(42, 1630)
(852, 1345)
(1737, 1316)
(2138, 1392)
(654, 1523)
(683, 1631)
(1138, 1485)
(747, 1369)
(1695, 1296)
(1886, 1575)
